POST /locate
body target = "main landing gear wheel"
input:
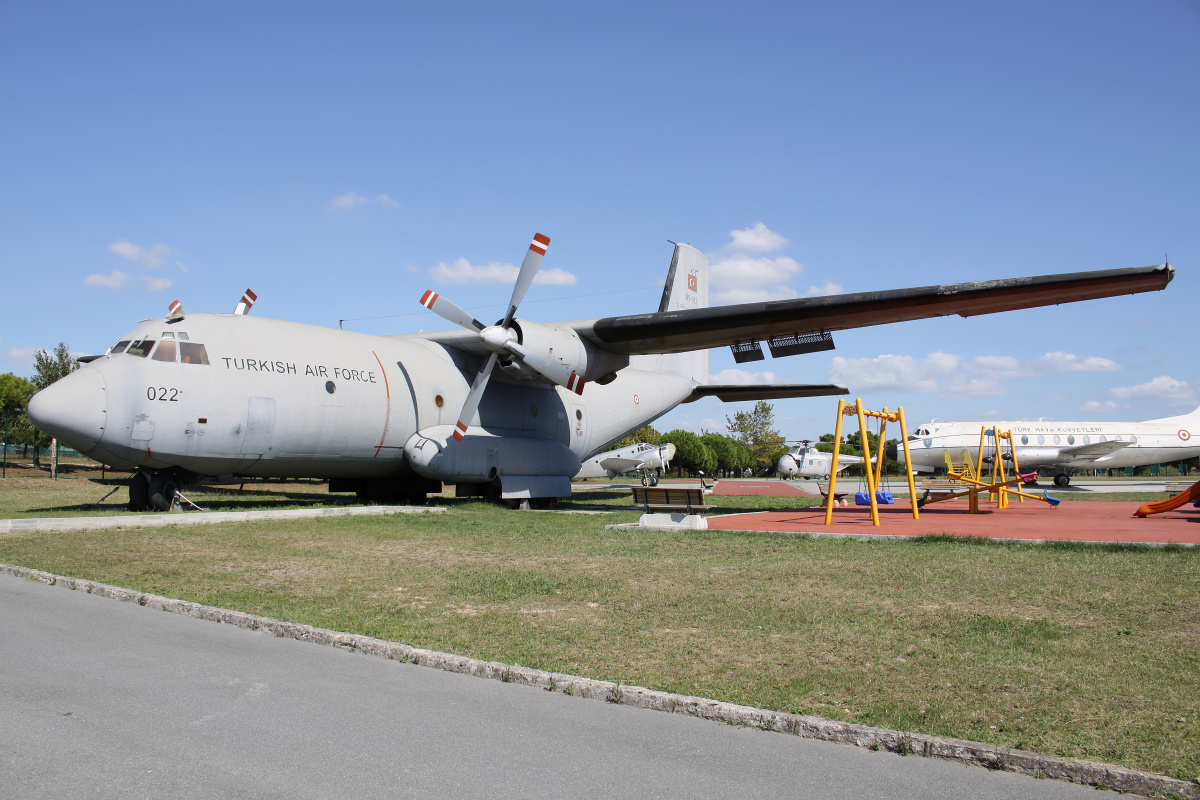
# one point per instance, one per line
(163, 488)
(139, 492)
(1062, 480)
(645, 479)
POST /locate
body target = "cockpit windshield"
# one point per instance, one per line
(173, 348)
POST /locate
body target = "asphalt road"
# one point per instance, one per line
(104, 699)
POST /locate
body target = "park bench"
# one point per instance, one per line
(1175, 487)
(940, 487)
(671, 498)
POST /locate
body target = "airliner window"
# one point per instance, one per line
(192, 353)
(141, 349)
(165, 352)
(119, 347)
(1133, 440)
(1070, 440)
(1041, 440)
(1087, 440)
(1056, 440)
(1024, 440)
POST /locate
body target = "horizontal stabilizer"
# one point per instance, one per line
(733, 392)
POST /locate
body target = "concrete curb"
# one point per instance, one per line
(1103, 776)
(199, 518)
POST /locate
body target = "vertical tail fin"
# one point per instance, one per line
(686, 288)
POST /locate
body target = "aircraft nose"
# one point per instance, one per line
(73, 409)
(891, 452)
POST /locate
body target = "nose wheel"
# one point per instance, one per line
(156, 492)
(1061, 480)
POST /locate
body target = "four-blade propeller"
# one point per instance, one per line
(501, 339)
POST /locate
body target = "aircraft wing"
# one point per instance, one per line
(718, 326)
(1091, 452)
(620, 465)
(732, 393)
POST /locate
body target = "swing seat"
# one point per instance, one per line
(862, 499)
(1053, 501)
(884, 497)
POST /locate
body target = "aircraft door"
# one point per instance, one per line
(260, 425)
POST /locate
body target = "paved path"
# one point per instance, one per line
(112, 700)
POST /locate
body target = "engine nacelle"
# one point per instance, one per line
(567, 348)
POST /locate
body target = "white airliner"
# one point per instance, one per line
(803, 461)
(1058, 448)
(497, 410)
(648, 459)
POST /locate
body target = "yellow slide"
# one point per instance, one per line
(1186, 496)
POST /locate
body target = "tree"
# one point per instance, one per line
(48, 368)
(690, 453)
(755, 431)
(14, 393)
(645, 434)
(730, 455)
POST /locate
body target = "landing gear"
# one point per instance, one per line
(1062, 479)
(139, 492)
(649, 479)
(163, 488)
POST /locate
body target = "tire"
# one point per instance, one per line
(163, 487)
(645, 479)
(654, 480)
(1062, 480)
(139, 492)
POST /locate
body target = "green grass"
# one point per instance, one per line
(1076, 651)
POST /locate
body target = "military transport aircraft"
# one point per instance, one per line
(807, 462)
(1059, 448)
(648, 459)
(504, 411)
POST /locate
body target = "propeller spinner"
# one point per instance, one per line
(501, 339)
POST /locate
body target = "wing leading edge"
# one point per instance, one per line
(719, 326)
(733, 393)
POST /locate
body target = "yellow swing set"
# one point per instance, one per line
(873, 474)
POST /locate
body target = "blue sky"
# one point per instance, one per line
(342, 159)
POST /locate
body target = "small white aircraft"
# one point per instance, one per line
(1058, 448)
(803, 461)
(649, 459)
(499, 411)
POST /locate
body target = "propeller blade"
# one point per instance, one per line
(547, 366)
(529, 268)
(243, 306)
(473, 397)
(448, 310)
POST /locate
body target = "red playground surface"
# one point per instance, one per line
(1072, 521)
(762, 489)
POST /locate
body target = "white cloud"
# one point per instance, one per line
(154, 284)
(21, 354)
(1162, 387)
(464, 272)
(1098, 406)
(742, 377)
(352, 200)
(825, 289)
(152, 257)
(114, 280)
(757, 239)
(939, 372)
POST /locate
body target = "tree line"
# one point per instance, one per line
(48, 366)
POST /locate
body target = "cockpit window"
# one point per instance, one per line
(168, 334)
(165, 351)
(141, 349)
(181, 335)
(119, 347)
(192, 353)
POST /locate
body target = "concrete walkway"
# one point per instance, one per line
(158, 520)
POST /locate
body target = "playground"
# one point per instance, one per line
(1072, 521)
